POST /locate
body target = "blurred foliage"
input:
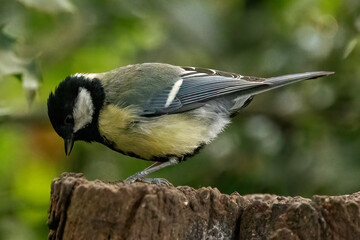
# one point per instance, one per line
(303, 139)
(24, 69)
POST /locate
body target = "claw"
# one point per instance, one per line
(158, 181)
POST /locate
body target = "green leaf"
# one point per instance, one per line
(5, 40)
(49, 6)
(24, 69)
(350, 47)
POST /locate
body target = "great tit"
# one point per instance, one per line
(154, 111)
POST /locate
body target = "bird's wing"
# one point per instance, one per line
(196, 86)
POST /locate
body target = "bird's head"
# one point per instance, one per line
(74, 108)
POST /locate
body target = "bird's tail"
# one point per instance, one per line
(275, 82)
(291, 78)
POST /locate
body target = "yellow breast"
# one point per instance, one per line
(175, 134)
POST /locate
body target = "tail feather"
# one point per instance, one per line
(275, 82)
(286, 79)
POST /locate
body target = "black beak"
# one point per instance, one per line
(69, 143)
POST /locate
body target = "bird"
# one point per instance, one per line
(155, 111)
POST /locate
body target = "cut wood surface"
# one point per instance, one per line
(82, 209)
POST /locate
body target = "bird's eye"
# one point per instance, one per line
(69, 120)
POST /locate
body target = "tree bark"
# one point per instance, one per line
(82, 209)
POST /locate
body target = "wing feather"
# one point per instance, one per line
(198, 85)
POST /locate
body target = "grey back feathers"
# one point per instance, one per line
(135, 84)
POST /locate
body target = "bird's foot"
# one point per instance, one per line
(141, 176)
(157, 181)
(136, 177)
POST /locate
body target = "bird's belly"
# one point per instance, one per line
(168, 135)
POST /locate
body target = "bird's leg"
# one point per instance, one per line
(153, 165)
(140, 176)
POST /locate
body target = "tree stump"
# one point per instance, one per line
(82, 209)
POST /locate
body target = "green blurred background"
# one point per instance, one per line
(303, 139)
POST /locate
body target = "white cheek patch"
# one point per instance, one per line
(83, 109)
